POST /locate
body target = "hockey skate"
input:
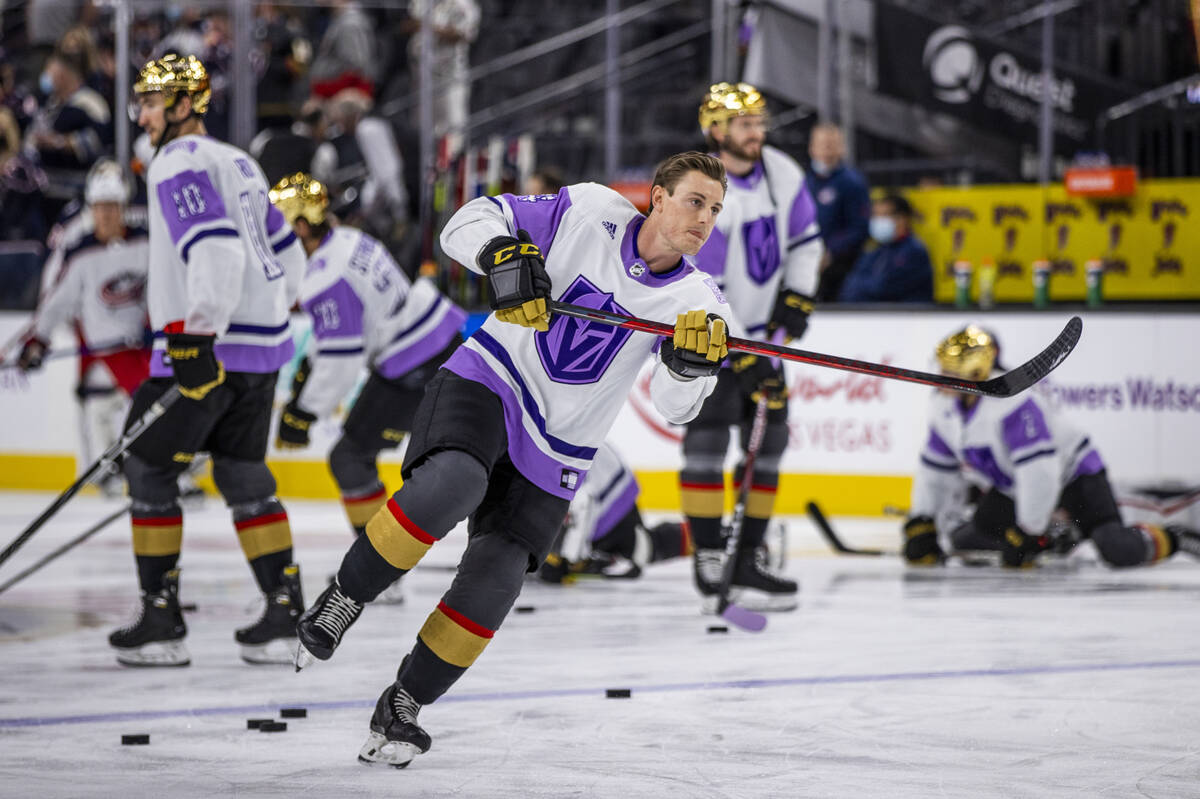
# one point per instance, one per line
(395, 737)
(272, 639)
(156, 638)
(753, 587)
(322, 626)
(1187, 539)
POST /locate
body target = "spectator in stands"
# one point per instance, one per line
(49, 20)
(455, 26)
(898, 270)
(545, 180)
(347, 57)
(287, 54)
(843, 207)
(283, 150)
(17, 107)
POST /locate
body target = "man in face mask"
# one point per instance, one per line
(843, 207)
(898, 270)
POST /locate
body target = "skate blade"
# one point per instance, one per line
(302, 657)
(156, 654)
(709, 604)
(767, 603)
(279, 652)
(379, 749)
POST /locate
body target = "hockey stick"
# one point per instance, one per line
(1005, 385)
(734, 614)
(62, 550)
(823, 526)
(100, 467)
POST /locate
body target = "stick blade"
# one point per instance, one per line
(1040, 365)
(745, 619)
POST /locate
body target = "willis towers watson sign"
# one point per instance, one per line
(951, 69)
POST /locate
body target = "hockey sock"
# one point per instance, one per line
(362, 504)
(489, 579)
(1161, 543)
(703, 503)
(760, 504)
(266, 539)
(157, 537)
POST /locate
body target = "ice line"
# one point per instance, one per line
(781, 682)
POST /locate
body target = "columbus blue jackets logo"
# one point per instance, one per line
(762, 249)
(126, 288)
(576, 351)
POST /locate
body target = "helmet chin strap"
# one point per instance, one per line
(170, 128)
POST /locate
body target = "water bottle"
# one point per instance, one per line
(1041, 283)
(987, 283)
(1094, 274)
(962, 284)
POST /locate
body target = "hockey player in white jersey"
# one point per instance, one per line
(99, 287)
(365, 312)
(1042, 481)
(509, 426)
(765, 254)
(224, 271)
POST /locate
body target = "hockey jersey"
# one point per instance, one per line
(561, 390)
(1016, 445)
(766, 234)
(223, 259)
(607, 497)
(364, 308)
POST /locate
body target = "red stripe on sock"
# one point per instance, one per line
(158, 521)
(408, 524)
(703, 486)
(269, 518)
(464, 622)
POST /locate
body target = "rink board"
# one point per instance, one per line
(1133, 383)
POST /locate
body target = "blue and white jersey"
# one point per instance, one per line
(1017, 445)
(767, 234)
(364, 309)
(222, 259)
(561, 390)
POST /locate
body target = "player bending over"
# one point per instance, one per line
(1041, 478)
(224, 270)
(604, 534)
(509, 426)
(364, 309)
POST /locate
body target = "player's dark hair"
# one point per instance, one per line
(671, 171)
(900, 206)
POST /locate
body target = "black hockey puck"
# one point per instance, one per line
(293, 713)
(134, 740)
(718, 628)
(273, 726)
(254, 724)
(188, 607)
(524, 608)
(618, 693)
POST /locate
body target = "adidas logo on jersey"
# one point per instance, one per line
(611, 227)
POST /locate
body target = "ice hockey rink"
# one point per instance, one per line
(1068, 680)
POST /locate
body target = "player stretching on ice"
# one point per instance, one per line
(508, 428)
(1028, 462)
(224, 269)
(364, 310)
(765, 253)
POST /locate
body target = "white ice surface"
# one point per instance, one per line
(887, 682)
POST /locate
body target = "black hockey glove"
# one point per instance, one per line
(517, 277)
(293, 427)
(196, 367)
(791, 313)
(921, 546)
(698, 346)
(756, 376)
(1019, 549)
(33, 352)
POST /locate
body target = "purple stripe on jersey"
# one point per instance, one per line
(262, 330)
(189, 199)
(1032, 456)
(257, 358)
(1091, 464)
(429, 345)
(616, 511)
(748, 180)
(220, 232)
(1024, 426)
(711, 258)
(636, 268)
(539, 215)
(284, 243)
(336, 311)
(803, 213)
(941, 467)
(275, 220)
(984, 462)
(538, 467)
(936, 445)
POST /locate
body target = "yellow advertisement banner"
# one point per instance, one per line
(1149, 244)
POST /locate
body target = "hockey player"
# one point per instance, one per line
(224, 270)
(1041, 478)
(364, 310)
(99, 287)
(765, 252)
(509, 426)
(604, 534)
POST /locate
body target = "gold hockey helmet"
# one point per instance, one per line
(970, 353)
(174, 75)
(300, 196)
(725, 101)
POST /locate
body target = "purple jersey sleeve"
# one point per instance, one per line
(193, 210)
(937, 454)
(801, 217)
(539, 215)
(337, 314)
(711, 258)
